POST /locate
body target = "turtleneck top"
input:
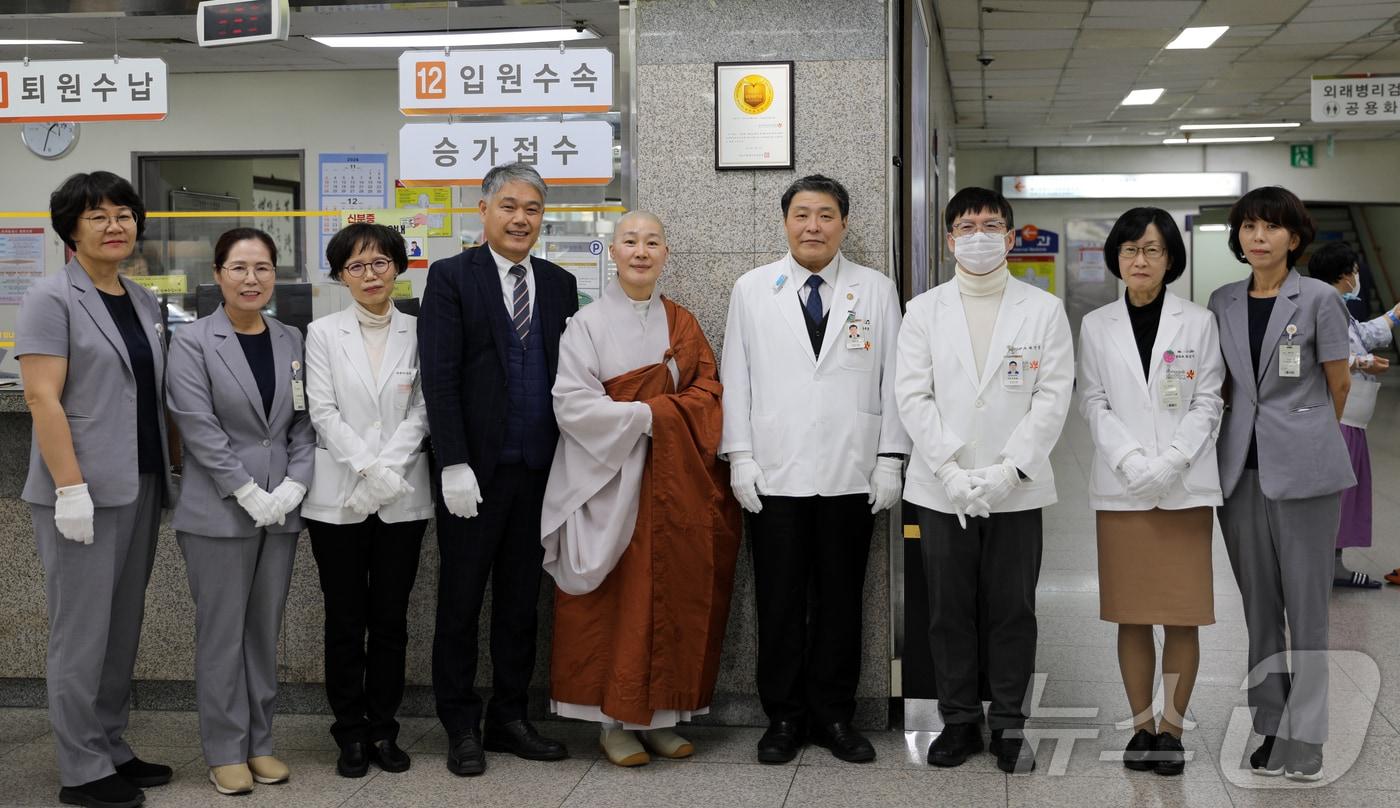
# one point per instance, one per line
(981, 299)
(374, 329)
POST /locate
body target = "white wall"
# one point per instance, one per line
(1359, 171)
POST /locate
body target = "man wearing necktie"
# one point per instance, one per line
(816, 449)
(488, 340)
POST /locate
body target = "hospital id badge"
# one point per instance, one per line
(1171, 394)
(298, 395)
(1012, 371)
(1290, 361)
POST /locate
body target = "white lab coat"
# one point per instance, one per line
(956, 411)
(814, 424)
(1126, 413)
(359, 419)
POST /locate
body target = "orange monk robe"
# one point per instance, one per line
(648, 638)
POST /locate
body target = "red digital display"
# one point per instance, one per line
(238, 20)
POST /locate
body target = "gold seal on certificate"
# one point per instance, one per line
(753, 94)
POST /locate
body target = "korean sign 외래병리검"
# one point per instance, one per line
(1356, 98)
(494, 82)
(83, 90)
(568, 153)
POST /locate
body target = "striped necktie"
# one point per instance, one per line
(520, 308)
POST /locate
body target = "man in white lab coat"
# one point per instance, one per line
(985, 375)
(815, 450)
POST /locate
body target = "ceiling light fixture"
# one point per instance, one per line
(1212, 228)
(1143, 97)
(464, 39)
(1184, 141)
(39, 42)
(1196, 38)
(1188, 127)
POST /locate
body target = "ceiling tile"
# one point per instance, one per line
(1247, 12)
(1316, 32)
(1136, 36)
(1350, 11)
(960, 40)
(957, 13)
(1156, 9)
(998, 19)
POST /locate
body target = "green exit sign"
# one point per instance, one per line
(1301, 155)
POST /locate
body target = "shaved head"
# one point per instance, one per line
(637, 222)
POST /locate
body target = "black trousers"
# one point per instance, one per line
(809, 556)
(502, 542)
(981, 603)
(367, 572)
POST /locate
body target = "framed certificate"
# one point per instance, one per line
(753, 115)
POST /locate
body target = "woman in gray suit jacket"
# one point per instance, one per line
(92, 357)
(1283, 465)
(236, 392)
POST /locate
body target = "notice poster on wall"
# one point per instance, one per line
(427, 198)
(350, 181)
(1034, 257)
(411, 224)
(21, 261)
(585, 257)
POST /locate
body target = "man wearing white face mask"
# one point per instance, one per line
(983, 378)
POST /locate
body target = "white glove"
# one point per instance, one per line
(383, 484)
(1162, 472)
(997, 483)
(288, 495)
(886, 483)
(360, 500)
(460, 491)
(72, 513)
(259, 504)
(1134, 466)
(746, 478)
(964, 492)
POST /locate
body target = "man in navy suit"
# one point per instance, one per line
(488, 338)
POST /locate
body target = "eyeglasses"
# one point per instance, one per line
(240, 271)
(995, 227)
(102, 221)
(379, 265)
(1151, 251)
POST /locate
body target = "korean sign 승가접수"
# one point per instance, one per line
(83, 90)
(476, 82)
(569, 153)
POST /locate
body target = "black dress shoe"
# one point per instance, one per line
(1013, 754)
(520, 738)
(465, 757)
(112, 791)
(388, 756)
(1168, 755)
(845, 743)
(954, 744)
(781, 743)
(352, 761)
(145, 775)
(1138, 754)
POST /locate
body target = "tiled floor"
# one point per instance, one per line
(1081, 701)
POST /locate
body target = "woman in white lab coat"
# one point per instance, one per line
(1150, 378)
(370, 502)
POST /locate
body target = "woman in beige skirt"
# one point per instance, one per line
(1149, 380)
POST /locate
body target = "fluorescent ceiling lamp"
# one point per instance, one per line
(1143, 97)
(39, 42)
(1182, 141)
(1123, 186)
(461, 39)
(1212, 228)
(1188, 127)
(1196, 38)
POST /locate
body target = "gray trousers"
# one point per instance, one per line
(1281, 551)
(240, 591)
(96, 600)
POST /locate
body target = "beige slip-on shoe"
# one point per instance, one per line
(622, 748)
(667, 744)
(232, 779)
(268, 770)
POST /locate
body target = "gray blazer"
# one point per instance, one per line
(63, 315)
(1301, 452)
(215, 401)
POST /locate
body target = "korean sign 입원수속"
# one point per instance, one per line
(570, 153)
(476, 82)
(1356, 98)
(83, 90)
